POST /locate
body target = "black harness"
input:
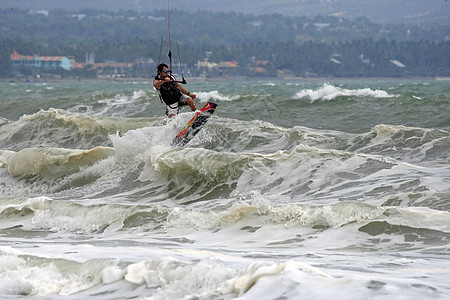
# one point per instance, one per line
(169, 93)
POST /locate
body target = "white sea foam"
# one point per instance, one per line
(209, 277)
(122, 105)
(331, 92)
(37, 276)
(299, 206)
(213, 96)
(139, 95)
(53, 162)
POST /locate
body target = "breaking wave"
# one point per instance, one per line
(329, 92)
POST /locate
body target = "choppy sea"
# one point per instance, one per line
(293, 190)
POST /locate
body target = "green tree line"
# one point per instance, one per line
(61, 26)
(321, 46)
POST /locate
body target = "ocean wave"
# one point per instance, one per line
(274, 198)
(27, 275)
(4, 121)
(48, 215)
(257, 156)
(261, 212)
(249, 213)
(404, 143)
(123, 105)
(58, 128)
(208, 277)
(411, 234)
(319, 173)
(214, 96)
(51, 162)
(246, 214)
(330, 92)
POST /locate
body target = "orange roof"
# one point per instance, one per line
(228, 64)
(16, 56)
(261, 62)
(258, 70)
(76, 65)
(232, 63)
(51, 58)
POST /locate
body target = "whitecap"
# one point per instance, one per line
(213, 96)
(330, 92)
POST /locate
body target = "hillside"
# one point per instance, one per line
(382, 11)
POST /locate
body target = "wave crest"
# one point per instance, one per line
(53, 162)
(330, 92)
(213, 96)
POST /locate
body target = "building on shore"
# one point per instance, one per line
(38, 62)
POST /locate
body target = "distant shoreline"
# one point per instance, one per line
(216, 79)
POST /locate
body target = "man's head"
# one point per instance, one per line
(163, 70)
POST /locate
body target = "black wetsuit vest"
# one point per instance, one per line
(169, 92)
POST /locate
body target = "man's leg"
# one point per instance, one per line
(172, 110)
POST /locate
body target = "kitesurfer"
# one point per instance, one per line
(171, 93)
